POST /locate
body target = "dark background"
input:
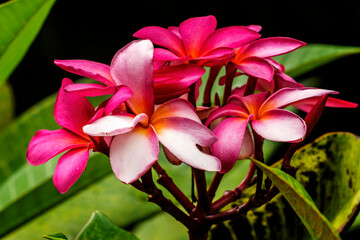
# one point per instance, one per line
(95, 31)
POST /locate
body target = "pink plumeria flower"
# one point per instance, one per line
(175, 124)
(255, 60)
(265, 117)
(197, 41)
(169, 81)
(71, 112)
(282, 80)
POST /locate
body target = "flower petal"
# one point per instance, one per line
(89, 69)
(90, 89)
(287, 96)
(162, 98)
(229, 110)
(231, 37)
(46, 144)
(272, 46)
(194, 31)
(69, 168)
(133, 66)
(133, 153)
(72, 111)
(280, 125)
(162, 37)
(307, 104)
(176, 108)
(181, 137)
(174, 78)
(121, 95)
(110, 125)
(230, 134)
(256, 67)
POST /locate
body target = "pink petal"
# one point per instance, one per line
(111, 125)
(215, 57)
(254, 101)
(133, 153)
(231, 37)
(89, 69)
(256, 67)
(122, 94)
(307, 104)
(229, 110)
(72, 111)
(256, 28)
(133, 66)
(174, 78)
(194, 31)
(90, 89)
(230, 134)
(272, 46)
(164, 55)
(46, 144)
(287, 96)
(69, 168)
(176, 108)
(162, 37)
(247, 148)
(181, 135)
(280, 125)
(162, 98)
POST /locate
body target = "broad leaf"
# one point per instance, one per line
(99, 227)
(20, 22)
(313, 56)
(315, 222)
(55, 236)
(335, 191)
(6, 105)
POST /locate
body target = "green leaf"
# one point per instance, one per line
(6, 105)
(313, 56)
(315, 222)
(20, 22)
(99, 227)
(55, 236)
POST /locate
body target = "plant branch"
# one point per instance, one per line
(168, 183)
(214, 71)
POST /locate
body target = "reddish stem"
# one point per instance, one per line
(168, 183)
(214, 71)
(230, 74)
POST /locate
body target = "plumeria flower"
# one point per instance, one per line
(71, 112)
(255, 60)
(282, 80)
(169, 81)
(265, 117)
(197, 41)
(175, 124)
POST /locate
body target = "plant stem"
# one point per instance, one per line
(230, 74)
(156, 196)
(214, 186)
(168, 183)
(231, 196)
(250, 86)
(203, 202)
(214, 71)
(259, 155)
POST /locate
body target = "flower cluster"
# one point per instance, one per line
(153, 100)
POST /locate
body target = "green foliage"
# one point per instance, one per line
(99, 227)
(55, 236)
(20, 22)
(334, 190)
(31, 206)
(312, 56)
(298, 198)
